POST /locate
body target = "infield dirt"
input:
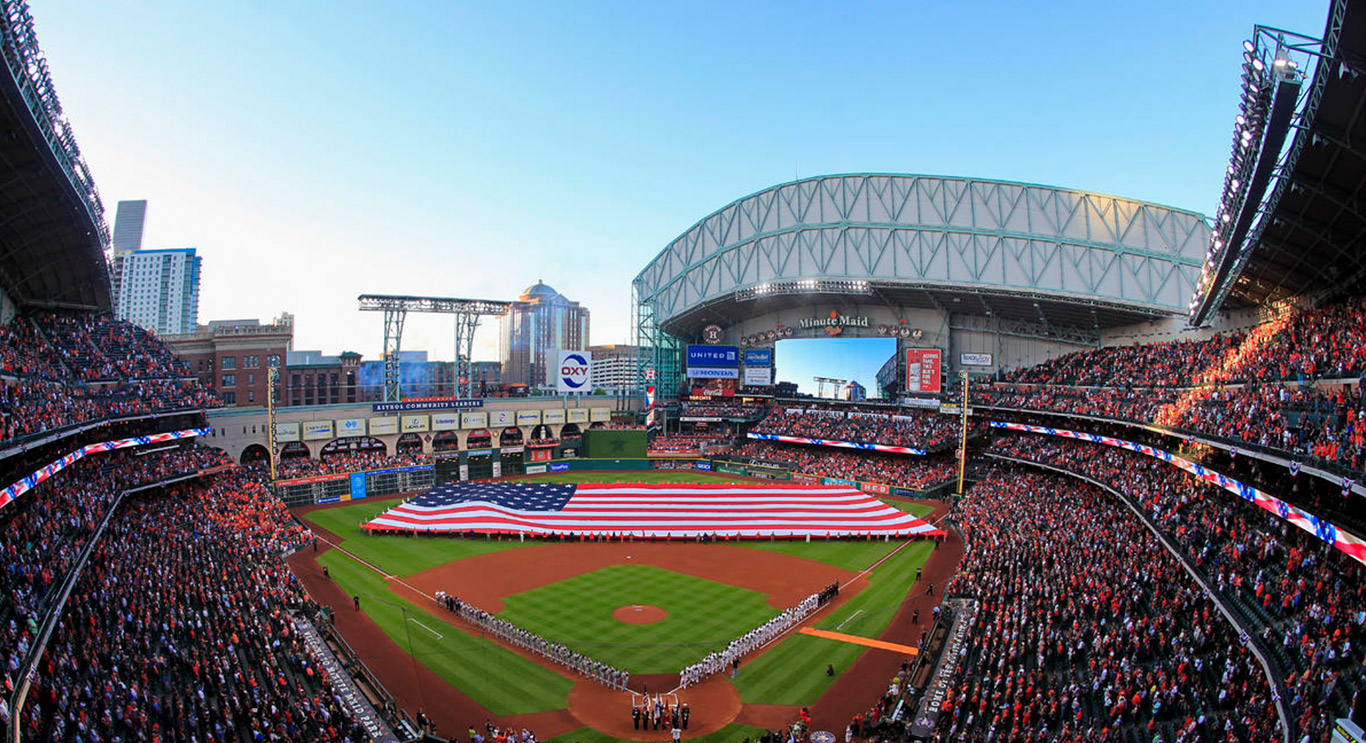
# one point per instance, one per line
(484, 580)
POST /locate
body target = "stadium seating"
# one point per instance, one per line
(914, 428)
(60, 369)
(1292, 385)
(1071, 643)
(338, 464)
(46, 528)
(180, 628)
(682, 443)
(1307, 602)
(889, 469)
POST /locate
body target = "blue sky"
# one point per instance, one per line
(314, 151)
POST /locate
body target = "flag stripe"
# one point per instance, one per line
(650, 511)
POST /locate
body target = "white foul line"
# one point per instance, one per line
(439, 636)
(849, 619)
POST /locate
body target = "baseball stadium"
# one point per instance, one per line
(901, 457)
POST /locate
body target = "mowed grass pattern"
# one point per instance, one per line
(703, 616)
(503, 681)
(793, 672)
(394, 554)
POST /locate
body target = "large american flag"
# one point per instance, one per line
(650, 511)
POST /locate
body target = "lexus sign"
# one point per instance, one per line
(574, 372)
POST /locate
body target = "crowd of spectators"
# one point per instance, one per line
(98, 347)
(722, 408)
(46, 528)
(59, 369)
(687, 443)
(1088, 630)
(180, 629)
(345, 462)
(897, 470)
(1292, 384)
(1306, 599)
(913, 428)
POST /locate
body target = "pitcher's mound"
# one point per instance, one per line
(639, 614)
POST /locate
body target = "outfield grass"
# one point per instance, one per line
(503, 681)
(396, 554)
(793, 672)
(915, 509)
(703, 616)
(733, 733)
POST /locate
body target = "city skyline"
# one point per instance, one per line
(469, 150)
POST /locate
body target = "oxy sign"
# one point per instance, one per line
(574, 372)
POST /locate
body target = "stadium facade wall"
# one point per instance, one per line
(952, 332)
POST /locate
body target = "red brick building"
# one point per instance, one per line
(232, 356)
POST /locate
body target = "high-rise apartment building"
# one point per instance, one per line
(614, 367)
(128, 224)
(155, 289)
(159, 290)
(537, 326)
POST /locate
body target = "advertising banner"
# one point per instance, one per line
(414, 423)
(758, 357)
(574, 372)
(922, 369)
(528, 417)
(703, 464)
(876, 488)
(804, 478)
(474, 420)
(357, 485)
(350, 427)
(559, 467)
(426, 403)
(706, 372)
(576, 415)
(286, 432)
(600, 415)
(384, 426)
(535, 469)
(758, 376)
(552, 416)
(713, 356)
(974, 359)
(502, 418)
(445, 421)
(314, 430)
(839, 481)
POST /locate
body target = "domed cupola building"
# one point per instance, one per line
(540, 323)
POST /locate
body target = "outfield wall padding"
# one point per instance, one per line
(601, 443)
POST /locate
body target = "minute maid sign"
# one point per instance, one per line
(834, 323)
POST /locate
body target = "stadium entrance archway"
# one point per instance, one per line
(408, 443)
(446, 441)
(353, 445)
(479, 438)
(295, 450)
(255, 453)
(479, 461)
(512, 454)
(571, 439)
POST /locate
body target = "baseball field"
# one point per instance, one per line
(649, 608)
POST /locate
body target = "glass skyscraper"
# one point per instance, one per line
(539, 325)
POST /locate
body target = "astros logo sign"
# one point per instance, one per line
(574, 371)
